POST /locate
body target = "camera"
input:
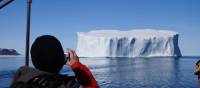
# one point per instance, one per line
(66, 57)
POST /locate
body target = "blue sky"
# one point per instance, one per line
(63, 18)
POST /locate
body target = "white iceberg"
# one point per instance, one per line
(133, 43)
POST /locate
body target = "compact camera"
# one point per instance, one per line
(66, 56)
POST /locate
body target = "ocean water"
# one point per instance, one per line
(123, 72)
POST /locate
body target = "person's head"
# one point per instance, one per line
(47, 54)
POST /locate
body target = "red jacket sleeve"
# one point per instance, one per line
(84, 76)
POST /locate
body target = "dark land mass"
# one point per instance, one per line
(4, 51)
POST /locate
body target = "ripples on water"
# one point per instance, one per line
(124, 72)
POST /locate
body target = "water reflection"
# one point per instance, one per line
(141, 72)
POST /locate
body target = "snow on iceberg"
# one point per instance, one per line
(133, 43)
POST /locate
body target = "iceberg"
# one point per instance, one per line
(132, 43)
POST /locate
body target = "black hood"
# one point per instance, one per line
(47, 54)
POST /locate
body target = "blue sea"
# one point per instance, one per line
(124, 72)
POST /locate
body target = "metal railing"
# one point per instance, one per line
(28, 19)
(3, 3)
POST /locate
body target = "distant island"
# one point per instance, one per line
(4, 51)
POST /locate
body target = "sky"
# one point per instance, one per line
(64, 18)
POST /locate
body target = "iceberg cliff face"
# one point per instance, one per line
(133, 43)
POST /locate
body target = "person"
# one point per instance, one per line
(197, 70)
(48, 58)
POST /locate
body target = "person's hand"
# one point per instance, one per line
(73, 58)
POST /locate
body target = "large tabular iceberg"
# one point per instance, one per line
(133, 43)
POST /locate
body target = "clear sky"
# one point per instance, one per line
(63, 18)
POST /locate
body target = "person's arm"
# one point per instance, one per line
(82, 73)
